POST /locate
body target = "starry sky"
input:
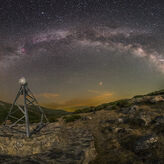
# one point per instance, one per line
(77, 53)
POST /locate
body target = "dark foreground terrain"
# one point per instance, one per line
(123, 132)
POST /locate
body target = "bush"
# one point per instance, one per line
(138, 96)
(85, 110)
(161, 92)
(119, 103)
(71, 118)
(107, 106)
(114, 107)
(123, 103)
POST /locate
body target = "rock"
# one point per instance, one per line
(90, 154)
(120, 120)
(146, 99)
(52, 145)
(158, 120)
(133, 109)
(123, 120)
(143, 99)
(84, 118)
(129, 110)
(139, 118)
(137, 100)
(146, 117)
(116, 130)
(146, 142)
(122, 131)
(124, 110)
(89, 118)
(111, 121)
(158, 125)
(156, 99)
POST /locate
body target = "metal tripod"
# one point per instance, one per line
(28, 99)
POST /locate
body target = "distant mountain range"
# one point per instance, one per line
(33, 114)
(53, 114)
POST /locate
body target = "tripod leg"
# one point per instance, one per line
(17, 96)
(40, 109)
(26, 113)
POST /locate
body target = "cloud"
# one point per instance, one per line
(94, 91)
(96, 99)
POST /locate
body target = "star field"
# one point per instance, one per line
(81, 52)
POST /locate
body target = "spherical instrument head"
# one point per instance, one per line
(22, 81)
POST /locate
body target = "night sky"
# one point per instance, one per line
(81, 52)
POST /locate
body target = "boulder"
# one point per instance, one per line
(156, 99)
(133, 109)
(147, 99)
(146, 117)
(123, 119)
(146, 142)
(122, 131)
(120, 120)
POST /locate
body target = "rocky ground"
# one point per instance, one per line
(55, 143)
(128, 132)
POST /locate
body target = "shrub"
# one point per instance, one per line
(123, 103)
(85, 110)
(161, 92)
(138, 96)
(71, 118)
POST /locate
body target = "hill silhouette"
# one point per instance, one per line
(34, 115)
